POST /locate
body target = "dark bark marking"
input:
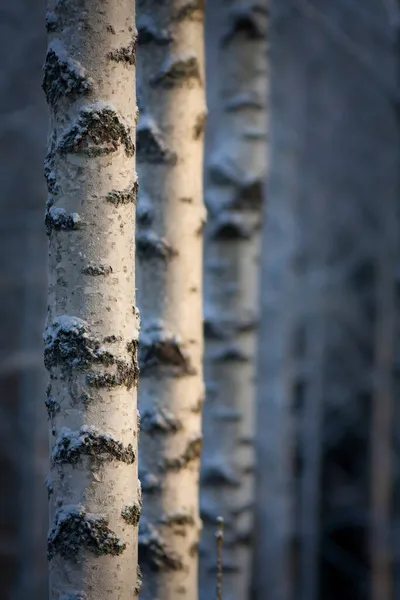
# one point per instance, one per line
(69, 345)
(98, 132)
(88, 441)
(244, 100)
(97, 270)
(251, 195)
(176, 70)
(214, 329)
(223, 173)
(76, 530)
(197, 408)
(228, 414)
(63, 76)
(150, 246)
(157, 350)
(52, 405)
(154, 553)
(131, 513)
(228, 226)
(144, 212)
(230, 353)
(218, 475)
(112, 339)
(139, 582)
(150, 483)
(126, 54)
(122, 197)
(57, 219)
(51, 22)
(49, 486)
(149, 33)
(159, 420)
(126, 374)
(191, 453)
(199, 126)
(178, 518)
(151, 147)
(49, 163)
(249, 22)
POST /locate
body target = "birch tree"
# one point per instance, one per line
(91, 333)
(169, 252)
(234, 172)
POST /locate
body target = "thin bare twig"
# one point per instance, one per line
(220, 538)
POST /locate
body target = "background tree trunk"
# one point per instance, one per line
(24, 434)
(234, 174)
(92, 330)
(331, 108)
(169, 250)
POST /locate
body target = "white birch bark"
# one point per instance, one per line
(234, 172)
(169, 252)
(91, 333)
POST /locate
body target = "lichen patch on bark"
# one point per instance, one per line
(191, 453)
(176, 70)
(159, 419)
(98, 131)
(122, 197)
(75, 530)
(151, 146)
(63, 76)
(71, 446)
(131, 513)
(57, 219)
(126, 54)
(154, 551)
(158, 349)
(149, 246)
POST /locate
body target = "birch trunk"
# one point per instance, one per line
(91, 333)
(234, 172)
(169, 250)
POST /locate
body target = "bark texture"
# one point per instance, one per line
(327, 251)
(92, 325)
(235, 166)
(169, 258)
(23, 428)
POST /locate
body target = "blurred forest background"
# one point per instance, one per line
(322, 514)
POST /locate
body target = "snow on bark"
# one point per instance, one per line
(169, 261)
(235, 172)
(63, 76)
(91, 335)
